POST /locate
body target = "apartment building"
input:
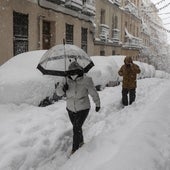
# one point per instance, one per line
(27, 25)
(107, 40)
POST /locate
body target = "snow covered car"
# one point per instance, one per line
(22, 82)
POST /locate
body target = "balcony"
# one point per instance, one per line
(89, 9)
(131, 8)
(115, 37)
(74, 4)
(104, 32)
(131, 41)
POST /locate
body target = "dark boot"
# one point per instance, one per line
(132, 95)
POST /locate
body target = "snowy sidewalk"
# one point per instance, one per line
(134, 138)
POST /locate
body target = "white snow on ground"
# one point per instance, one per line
(136, 137)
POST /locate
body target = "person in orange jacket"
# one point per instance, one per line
(129, 72)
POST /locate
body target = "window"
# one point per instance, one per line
(46, 35)
(102, 16)
(137, 31)
(116, 22)
(84, 39)
(112, 25)
(69, 34)
(134, 30)
(130, 28)
(20, 32)
(126, 24)
(102, 53)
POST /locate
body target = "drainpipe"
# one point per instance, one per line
(40, 19)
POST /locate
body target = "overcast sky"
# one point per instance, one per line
(165, 17)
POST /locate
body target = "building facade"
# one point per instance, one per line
(99, 27)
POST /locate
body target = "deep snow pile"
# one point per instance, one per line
(136, 137)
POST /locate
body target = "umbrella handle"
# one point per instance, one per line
(64, 42)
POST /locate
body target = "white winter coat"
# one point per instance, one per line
(77, 93)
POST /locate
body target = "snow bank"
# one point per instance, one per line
(161, 74)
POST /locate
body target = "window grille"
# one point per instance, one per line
(69, 34)
(20, 33)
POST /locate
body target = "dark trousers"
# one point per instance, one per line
(77, 120)
(132, 96)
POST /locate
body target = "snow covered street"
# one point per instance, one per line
(136, 137)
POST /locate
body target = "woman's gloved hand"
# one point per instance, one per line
(65, 87)
(97, 109)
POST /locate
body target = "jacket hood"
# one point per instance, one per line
(128, 60)
(74, 66)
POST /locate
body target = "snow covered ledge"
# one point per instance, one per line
(61, 8)
(89, 9)
(75, 4)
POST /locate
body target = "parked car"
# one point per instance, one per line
(22, 82)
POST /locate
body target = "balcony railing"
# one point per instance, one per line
(132, 41)
(104, 32)
(75, 4)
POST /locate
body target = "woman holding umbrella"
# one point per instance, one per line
(77, 87)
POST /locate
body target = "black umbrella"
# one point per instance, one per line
(57, 59)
